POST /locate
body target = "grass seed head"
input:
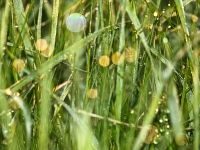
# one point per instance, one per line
(41, 44)
(117, 58)
(76, 22)
(92, 93)
(181, 139)
(104, 61)
(18, 65)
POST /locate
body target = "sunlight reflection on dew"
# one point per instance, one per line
(165, 40)
(76, 22)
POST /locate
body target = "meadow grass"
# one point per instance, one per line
(129, 80)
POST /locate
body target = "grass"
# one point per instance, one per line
(129, 80)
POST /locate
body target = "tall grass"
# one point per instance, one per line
(129, 80)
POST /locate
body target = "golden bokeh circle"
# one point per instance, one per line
(181, 139)
(195, 18)
(41, 45)
(117, 58)
(18, 65)
(104, 61)
(92, 93)
(48, 52)
(151, 135)
(130, 54)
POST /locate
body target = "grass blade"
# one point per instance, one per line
(120, 75)
(181, 12)
(54, 22)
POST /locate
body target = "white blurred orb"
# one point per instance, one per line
(76, 22)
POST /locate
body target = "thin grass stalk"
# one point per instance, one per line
(39, 22)
(39, 26)
(195, 76)
(5, 120)
(185, 86)
(23, 28)
(44, 112)
(54, 23)
(120, 76)
(181, 12)
(88, 57)
(175, 113)
(101, 13)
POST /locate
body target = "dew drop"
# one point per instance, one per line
(165, 40)
(155, 14)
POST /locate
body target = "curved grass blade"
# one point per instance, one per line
(181, 12)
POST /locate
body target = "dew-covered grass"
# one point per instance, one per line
(99, 75)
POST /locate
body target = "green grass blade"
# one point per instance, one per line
(137, 24)
(45, 104)
(22, 24)
(54, 23)
(4, 28)
(181, 12)
(120, 77)
(175, 114)
(23, 28)
(39, 22)
(4, 108)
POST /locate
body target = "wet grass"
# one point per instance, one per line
(129, 80)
